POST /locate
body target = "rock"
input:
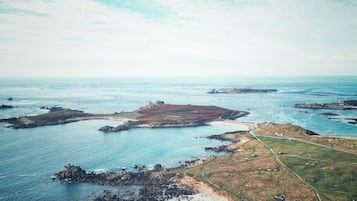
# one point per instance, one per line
(280, 197)
(222, 148)
(350, 102)
(70, 173)
(10, 99)
(6, 106)
(309, 132)
(158, 167)
(329, 114)
(114, 129)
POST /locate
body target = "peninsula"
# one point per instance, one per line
(240, 91)
(54, 116)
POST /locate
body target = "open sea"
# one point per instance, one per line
(28, 157)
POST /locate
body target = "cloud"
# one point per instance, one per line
(159, 37)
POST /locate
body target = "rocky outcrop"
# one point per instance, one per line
(310, 132)
(6, 106)
(225, 136)
(342, 105)
(158, 184)
(223, 148)
(119, 128)
(240, 91)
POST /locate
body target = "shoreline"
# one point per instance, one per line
(205, 192)
(181, 184)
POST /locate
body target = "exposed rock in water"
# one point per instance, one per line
(309, 132)
(350, 102)
(223, 148)
(6, 106)
(329, 114)
(240, 90)
(10, 99)
(352, 120)
(107, 128)
(224, 136)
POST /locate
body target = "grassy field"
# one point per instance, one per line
(250, 174)
(332, 172)
(282, 159)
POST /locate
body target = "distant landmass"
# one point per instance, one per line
(240, 91)
(342, 105)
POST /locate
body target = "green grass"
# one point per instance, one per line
(333, 173)
(130, 115)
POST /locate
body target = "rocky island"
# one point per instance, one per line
(161, 115)
(240, 91)
(342, 105)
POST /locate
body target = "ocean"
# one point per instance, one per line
(28, 157)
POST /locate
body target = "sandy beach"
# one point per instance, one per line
(206, 193)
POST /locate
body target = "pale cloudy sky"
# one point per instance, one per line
(98, 38)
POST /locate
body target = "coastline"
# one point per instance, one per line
(205, 192)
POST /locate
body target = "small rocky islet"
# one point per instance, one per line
(240, 91)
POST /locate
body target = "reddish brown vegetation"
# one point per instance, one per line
(170, 113)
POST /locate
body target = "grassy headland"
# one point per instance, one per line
(281, 159)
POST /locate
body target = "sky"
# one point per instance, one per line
(123, 38)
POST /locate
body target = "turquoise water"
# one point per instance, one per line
(28, 157)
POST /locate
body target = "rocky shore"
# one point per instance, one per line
(342, 105)
(157, 184)
(240, 91)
